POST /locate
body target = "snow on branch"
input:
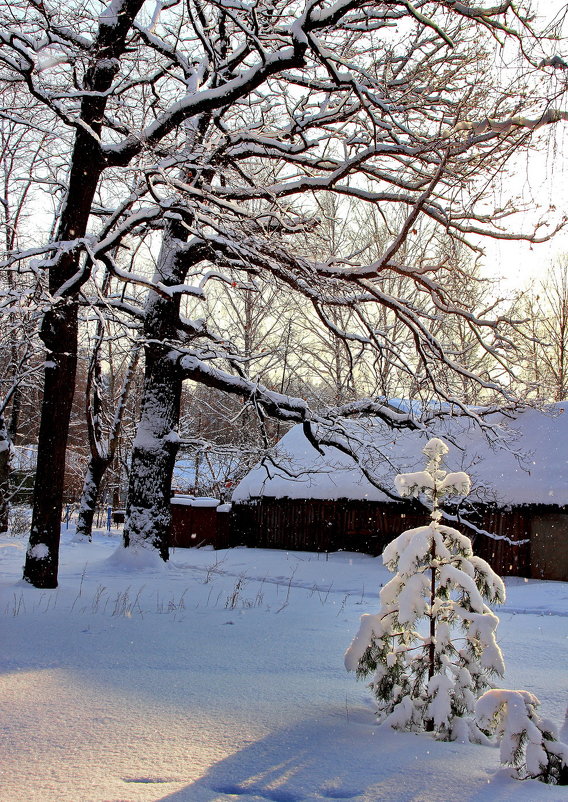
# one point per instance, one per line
(493, 126)
(287, 407)
(281, 406)
(528, 743)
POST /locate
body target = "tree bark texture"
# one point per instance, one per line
(91, 486)
(148, 515)
(4, 475)
(59, 330)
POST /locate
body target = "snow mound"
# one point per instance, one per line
(135, 558)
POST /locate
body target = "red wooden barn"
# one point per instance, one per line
(517, 513)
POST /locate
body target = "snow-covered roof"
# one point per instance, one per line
(533, 469)
(195, 501)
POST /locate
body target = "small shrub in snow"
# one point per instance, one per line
(527, 742)
(19, 522)
(431, 650)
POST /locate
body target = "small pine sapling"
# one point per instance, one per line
(528, 743)
(431, 649)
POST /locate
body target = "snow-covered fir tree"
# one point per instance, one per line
(431, 649)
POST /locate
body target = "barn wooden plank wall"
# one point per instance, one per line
(318, 525)
(506, 558)
(366, 526)
(199, 526)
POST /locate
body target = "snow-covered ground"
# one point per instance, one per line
(220, 677)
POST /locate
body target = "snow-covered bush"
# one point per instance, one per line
(431, 650)
(527, 742)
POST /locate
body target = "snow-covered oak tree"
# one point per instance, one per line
(217, 123)
(239, 215)
(431, 649)
(528, 742)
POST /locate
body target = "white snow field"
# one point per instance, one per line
(220, 677)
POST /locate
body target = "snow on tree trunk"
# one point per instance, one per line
(5, 450)
(91, 486)
(431, 649)
(527, 742)
(148, 514)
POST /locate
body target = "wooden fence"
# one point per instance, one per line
(509, 551)
(317, 525)
(367, 526)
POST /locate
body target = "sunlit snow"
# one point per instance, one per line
(221, 677)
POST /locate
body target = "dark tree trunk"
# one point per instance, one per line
(15, 414)
(4, 475)
(60, 325)
(91, 487)
(59, 332)
(148, 515)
